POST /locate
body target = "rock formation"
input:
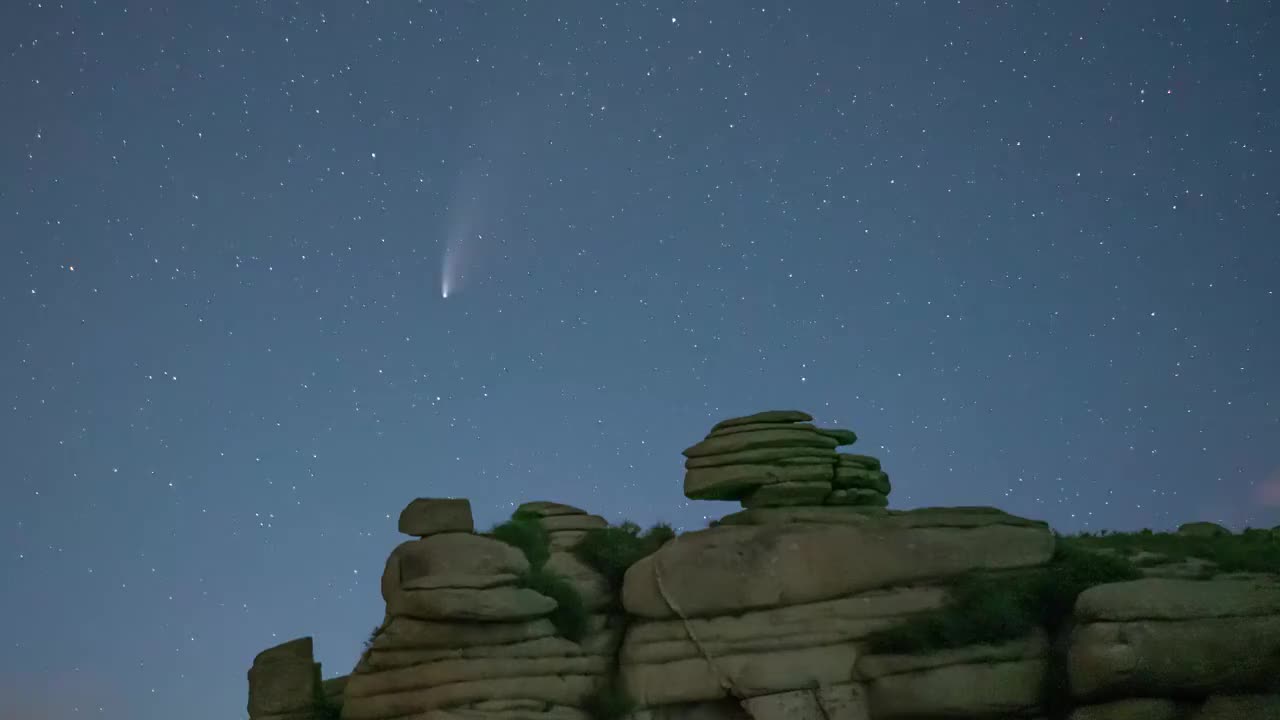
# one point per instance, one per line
(813, 601)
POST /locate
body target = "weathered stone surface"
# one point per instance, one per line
(1132, 709)
(493, 605)
(848, 476)
(506, 710)
(559, 523)
(334, 688)
(1174, 657)
(767, 456)
(1034, 646)
(412, 633)
(733, 482)
(558, 689)
(840, 702)
(835, 514)
(733, 568)
(457, 554)
(768, 416)
(968, 691)
(1239, 707)
(1171, 599)
(473, 582)
(761, 439)
(831, 622)
(959, 517)
(546, 508)
(859, 497)
(447, 672)
(842, 437)
(566, 539)
(284, 679)
(591, 585)
(859, 460)
(720, 709)
(428, 516)
(788, 494)
(537, 648)
(752, 427)
(1202, 529)
(752, 674)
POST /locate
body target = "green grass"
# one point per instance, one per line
(570, 618)
(610, 551)
(1249, 551)
(525, 532)
(988, 610)
(609, 702)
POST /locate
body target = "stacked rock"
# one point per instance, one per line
(778, 458)
(284, 682)
(462, 633)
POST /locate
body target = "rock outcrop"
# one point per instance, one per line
(813, 601)
(465, 637)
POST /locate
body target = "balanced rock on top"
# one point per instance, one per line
(779, 458)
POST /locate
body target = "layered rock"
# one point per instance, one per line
(463, 636)
(284, 682)
(1176, 638)
(777, 611)
(778, 458)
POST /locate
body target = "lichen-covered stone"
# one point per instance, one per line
(428, 516)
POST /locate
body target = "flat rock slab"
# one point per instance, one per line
(546, 508)
(733, 568)
(788, 494)
(500, 604)
(768, 416)
(1169, 658)
(766, 456)
(1034, 646)
(561, 523)
(859, 460)
(734, 482)
(751, 427)
(428, 516)
(761, 439)
(1177, 599)
(1000, 689)
(860, 497)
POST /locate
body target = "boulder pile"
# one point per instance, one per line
(779, 458)
(813, 602)
(463, 634)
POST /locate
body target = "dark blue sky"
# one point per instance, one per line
(1028, 251)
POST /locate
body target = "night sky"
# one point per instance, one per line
(1030, 252)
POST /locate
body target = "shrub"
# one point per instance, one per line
(991, 609)
(325, 710)
(610, 551)
(525, 531)
(368, 643)
(570, 617)
(1250, 551)
(609, 702)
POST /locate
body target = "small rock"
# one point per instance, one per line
(429, 516)
(1202, 529)
(548, 509)
(768, 416)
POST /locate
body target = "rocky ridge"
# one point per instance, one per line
(814, 600)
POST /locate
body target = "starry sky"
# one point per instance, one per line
(1028, 251)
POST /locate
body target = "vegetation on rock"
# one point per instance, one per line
(610, 551)
(571, 618)
(987, 609)
(526, 532)
(609, 702)
(325, 709)
(1250, 551)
